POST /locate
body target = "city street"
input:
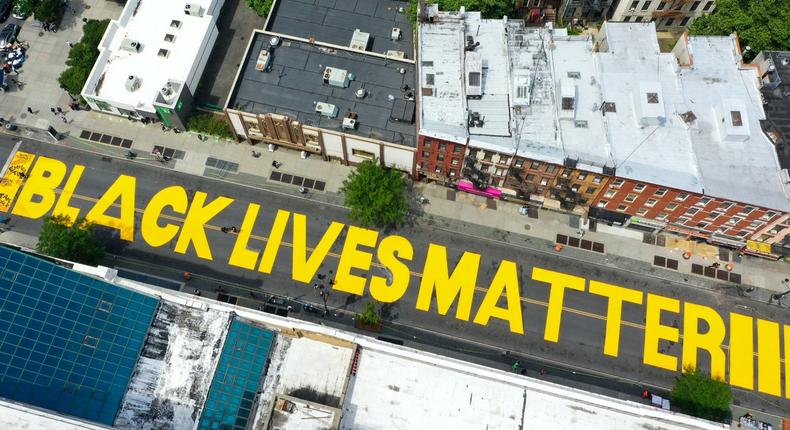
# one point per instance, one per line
(583, 325)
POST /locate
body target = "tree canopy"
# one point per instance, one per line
(82, 56)
(761, 24)
(494, 9)
(261, 7)
(375, 194)
(700, 395)
(76, 241)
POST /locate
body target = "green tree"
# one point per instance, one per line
(375, 194)
(701, 395)
(494, 9)
(73, 79)
(369, 316)
(761, 24)
(25, 8)
(76, 241)
(261, 7)
(93, 31)
(210, 124)
(82, 56)
(49, 10)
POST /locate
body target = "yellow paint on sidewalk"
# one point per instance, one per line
(695, 248)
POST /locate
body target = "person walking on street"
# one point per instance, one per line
(60, 111)
(70, 43)
(54, 112)
(30, 110)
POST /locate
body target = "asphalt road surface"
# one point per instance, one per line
(578, 354)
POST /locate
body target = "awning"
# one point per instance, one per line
(720, 240)
(686, 231)
(608, 216)
(647, 222)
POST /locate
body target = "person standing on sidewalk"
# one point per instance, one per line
(30, 110)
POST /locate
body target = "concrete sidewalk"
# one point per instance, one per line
(456, 211)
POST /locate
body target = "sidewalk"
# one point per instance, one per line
(459, 212)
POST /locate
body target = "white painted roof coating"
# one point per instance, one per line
(528, 71)
(148, 23)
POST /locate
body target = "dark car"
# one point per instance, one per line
(8, 35)
(5, 9)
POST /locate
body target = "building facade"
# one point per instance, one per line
(439, 160)
(671, 15)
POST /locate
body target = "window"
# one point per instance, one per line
(646, 5)
(747, 210)
(575, 188)
(634, 4)
(622, 208)
(519, 162)
(660, 192)
(703, 201)
(682, 220)
(734, 220)
(708, 5)
(682, 197)
(426, 143)
(457, 149)
(582, 176)
(535, 165)
(638, 19)
(713, 215)
(487, 155)
(424, 165)
(641, 212)
(426, 154)
(504, 160)
(550, 168)
(499, 172)
(662, 216)
(602, 204)
(574, 75)
(618, 183)
(692, 211)
(672, 206)
(651, 202)
(630, 198)
(590, 190)
(694, 5)
(702, 224)
(170, 37)
(755, 224)
(768, 215)
(725, 205)
(363, 154)
(597, 179)
(684, 21)
(669, 22)
(429, 79)
(530, 177)
(742, 233)
(627, 19)
(639, 188)
(454, 162)
(440, 157)
(567, 103)
(661, 5)
(609, 194)
(442, 146)
(544, 181)
(736, 118)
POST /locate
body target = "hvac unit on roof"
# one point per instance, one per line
(326, 109)
(130, 45)
(193, 9)
(336, 77)
(359, 40)
(133, 83)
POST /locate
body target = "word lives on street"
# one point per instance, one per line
(752, 358)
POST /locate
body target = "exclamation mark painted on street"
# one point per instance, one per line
(14, 173)
(769, 371)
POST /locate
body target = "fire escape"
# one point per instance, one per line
(672, 9)
(472, 171)
(563, 188)
(516, 180)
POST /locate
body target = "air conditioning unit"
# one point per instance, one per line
(349, 123)
(336, 77)
(395, 34)
(359, 40)
(326, 109)
(130, 45)
(193, 9)
(133, 83)
(396, 54)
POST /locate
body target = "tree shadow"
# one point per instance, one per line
(111, 239)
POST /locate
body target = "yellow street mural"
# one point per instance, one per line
(49, 186)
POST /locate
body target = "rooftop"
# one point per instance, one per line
(335, 21)
(294, 86)
(776, 92)
(153, 42)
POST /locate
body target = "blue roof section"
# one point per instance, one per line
(68, 342)
(239, 371)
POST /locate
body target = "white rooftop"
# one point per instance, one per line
(160, 57)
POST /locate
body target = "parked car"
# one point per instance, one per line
(5, 9)
(8, 34)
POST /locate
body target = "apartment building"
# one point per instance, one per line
(671, 15)
(668, 141)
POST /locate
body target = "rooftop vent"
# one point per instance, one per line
(471, 44)
(130, 45)
(133, 83)
(611, 171)
(164, 53)
(175, 24)
(688, 117)
(574, 75)
(608, 107)
(570, 162)
(475, 120)
(170, 37)
(193, 9)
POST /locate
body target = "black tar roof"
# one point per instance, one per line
(294, 84)
(777, 107)
(334, 21)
